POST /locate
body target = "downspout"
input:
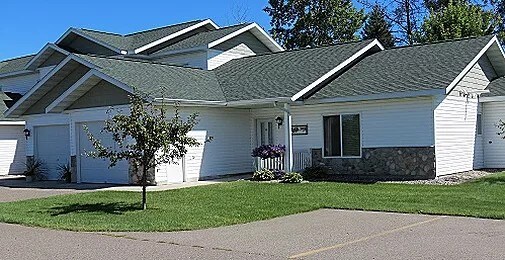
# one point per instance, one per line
(288, 136)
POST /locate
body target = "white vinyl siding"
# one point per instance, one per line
(478, 77)
(217, 58)
(494, 145)
(404, 122)
(455, 132)
(12, 149)
(197, 59)
(19, 84)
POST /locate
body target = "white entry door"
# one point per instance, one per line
(94, 170)
(52, 147)
(264, 132)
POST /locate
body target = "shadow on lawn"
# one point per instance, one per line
(116, 208)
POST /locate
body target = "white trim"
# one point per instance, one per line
(69, 91)
(12, 123)
(245, 29)
(37, 86)
(405, 94)
(77, 32)
(83, 79)
(174, 35)
(374, 43)
(47, 46)
(470, 65)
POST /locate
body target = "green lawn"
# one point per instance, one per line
(242, 201)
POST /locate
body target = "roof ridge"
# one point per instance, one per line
(441, 41)
(17, 58)
(304, 49)
(162, 27)
(98, 31)
(130, 59)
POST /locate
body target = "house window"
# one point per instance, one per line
(479, 124)
(342, 137)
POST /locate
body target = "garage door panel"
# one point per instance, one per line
(96, 170)
(52, 147)
(12, 150)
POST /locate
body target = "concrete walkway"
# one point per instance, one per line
(15, 188)
(322, 234)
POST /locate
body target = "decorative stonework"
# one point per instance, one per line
(135, 174)
(383, 163)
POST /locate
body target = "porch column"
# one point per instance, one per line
(288, 138)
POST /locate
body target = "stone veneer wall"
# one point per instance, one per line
(398, 163)
(73, 168)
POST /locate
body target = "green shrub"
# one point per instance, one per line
(263, 175)
(65, 172)
(315, 173)
(292, 177)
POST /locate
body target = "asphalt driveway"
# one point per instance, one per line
(322, 234)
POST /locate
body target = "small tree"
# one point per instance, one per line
(376, 27)
(145, 137)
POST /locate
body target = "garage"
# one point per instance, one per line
(52, 147)
(93, 170)
(12, 149)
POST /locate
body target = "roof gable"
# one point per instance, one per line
(417, 68)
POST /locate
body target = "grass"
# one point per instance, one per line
(242, 201)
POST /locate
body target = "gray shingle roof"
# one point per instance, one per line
(422, 67)
(135, 40)
(203, 38)
(13, 65)
(496, 88)
(161, 80)
(3, 106)
(281, 74)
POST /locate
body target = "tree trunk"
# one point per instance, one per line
(144, 197)
(409, 23)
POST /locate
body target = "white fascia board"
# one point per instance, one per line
(264, 101)
(243, 30)
(374, 43)
(37, 86)
(69, 91)
(75, 31)
(491, 99)
(186, 102)
(405, 94)
(16, 73)
(174, 35)
(12, 122)
(470, 65)
(44, 49)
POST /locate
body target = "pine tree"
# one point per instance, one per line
(376, 27)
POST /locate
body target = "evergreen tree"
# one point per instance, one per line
(376, 27)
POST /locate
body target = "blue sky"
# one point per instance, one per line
(25, 26)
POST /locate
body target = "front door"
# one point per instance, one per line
(265, 132)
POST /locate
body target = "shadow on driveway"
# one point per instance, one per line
(19, 182)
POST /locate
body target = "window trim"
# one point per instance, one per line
(341, 143)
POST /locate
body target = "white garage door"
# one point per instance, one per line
(52, 147)
(12, 149)
(494, 145)
(96, 170)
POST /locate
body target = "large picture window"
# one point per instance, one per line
(342, 137)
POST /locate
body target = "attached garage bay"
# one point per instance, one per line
(93, 170)
(12, 149)
(52, 148)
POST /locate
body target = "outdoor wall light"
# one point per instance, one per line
(279, 121)
(27, 133)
